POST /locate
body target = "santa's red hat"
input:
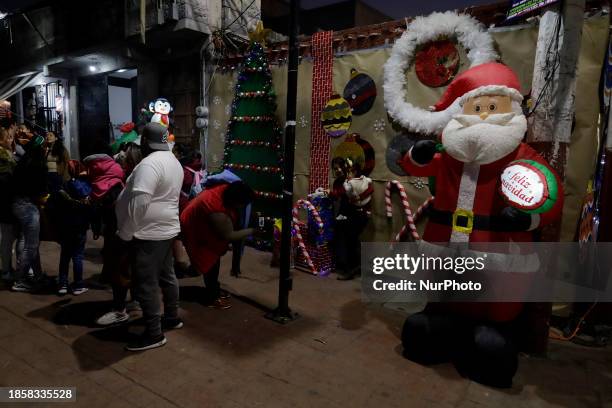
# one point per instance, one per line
(491, 78)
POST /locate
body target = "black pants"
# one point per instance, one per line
(152, 269)
(347, 244)
(211, 281)
(484, 352)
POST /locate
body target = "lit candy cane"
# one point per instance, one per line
(313, 211)
(315, 214)
(410, 220)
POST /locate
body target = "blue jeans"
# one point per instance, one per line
(73, 247)
(28, 225)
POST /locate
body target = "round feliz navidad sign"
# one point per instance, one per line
(529, 186)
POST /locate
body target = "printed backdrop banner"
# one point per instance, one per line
(517, 49)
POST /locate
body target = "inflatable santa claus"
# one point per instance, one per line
(490, 187)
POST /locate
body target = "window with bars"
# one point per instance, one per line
(51, 110)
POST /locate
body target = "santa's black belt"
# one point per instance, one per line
(466, 221)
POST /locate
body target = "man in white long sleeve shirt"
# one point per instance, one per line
(147, 216)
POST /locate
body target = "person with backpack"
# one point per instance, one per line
(74, 215)
(106, 177)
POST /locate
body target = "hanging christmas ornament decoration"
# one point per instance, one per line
(399, 145)
(529, 186)
(350, 149)
(437, 63)
(360, 92)
(336, 116)
(370, 157)
(359, 151)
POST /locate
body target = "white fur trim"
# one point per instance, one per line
(489, 90)
(472, 37)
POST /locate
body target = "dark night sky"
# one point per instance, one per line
(402, 8)
(12, 5)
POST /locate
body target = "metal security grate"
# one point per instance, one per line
(53, 109)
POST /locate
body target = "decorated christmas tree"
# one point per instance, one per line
(253, 143)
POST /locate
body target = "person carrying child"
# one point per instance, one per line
(352, 195)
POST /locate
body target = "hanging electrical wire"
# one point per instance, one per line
(28, 122)
(553, 61)
(222, 39)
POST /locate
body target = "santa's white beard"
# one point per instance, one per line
(470, 139)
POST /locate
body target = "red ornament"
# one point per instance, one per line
(437, 62)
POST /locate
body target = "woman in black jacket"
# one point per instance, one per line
(29, 191)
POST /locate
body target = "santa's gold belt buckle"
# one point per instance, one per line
(463, 220)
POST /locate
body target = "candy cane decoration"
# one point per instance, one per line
(410, 219)
(422, 208)
(313, 211)
(315, 214)
(417, 214)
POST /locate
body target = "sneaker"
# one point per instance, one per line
(146, 343)
(133, 306)
(22, 287)
(62, 290)
(79, 291)
(171, 323)
(220, 304)
(113, 317)
(224, 294)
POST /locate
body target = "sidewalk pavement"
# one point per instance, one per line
(339, 353)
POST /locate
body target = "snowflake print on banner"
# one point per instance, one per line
(217, 100)
(216, 124)
(418, 183)
(303, 121)
(228, 109)
(230, 85)
(215, 159)
(379, 125)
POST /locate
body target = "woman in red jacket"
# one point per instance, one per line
(208, 225)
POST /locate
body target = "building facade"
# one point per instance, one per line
(81, 69)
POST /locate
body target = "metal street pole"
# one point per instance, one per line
(283, 313)
(553, 90)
